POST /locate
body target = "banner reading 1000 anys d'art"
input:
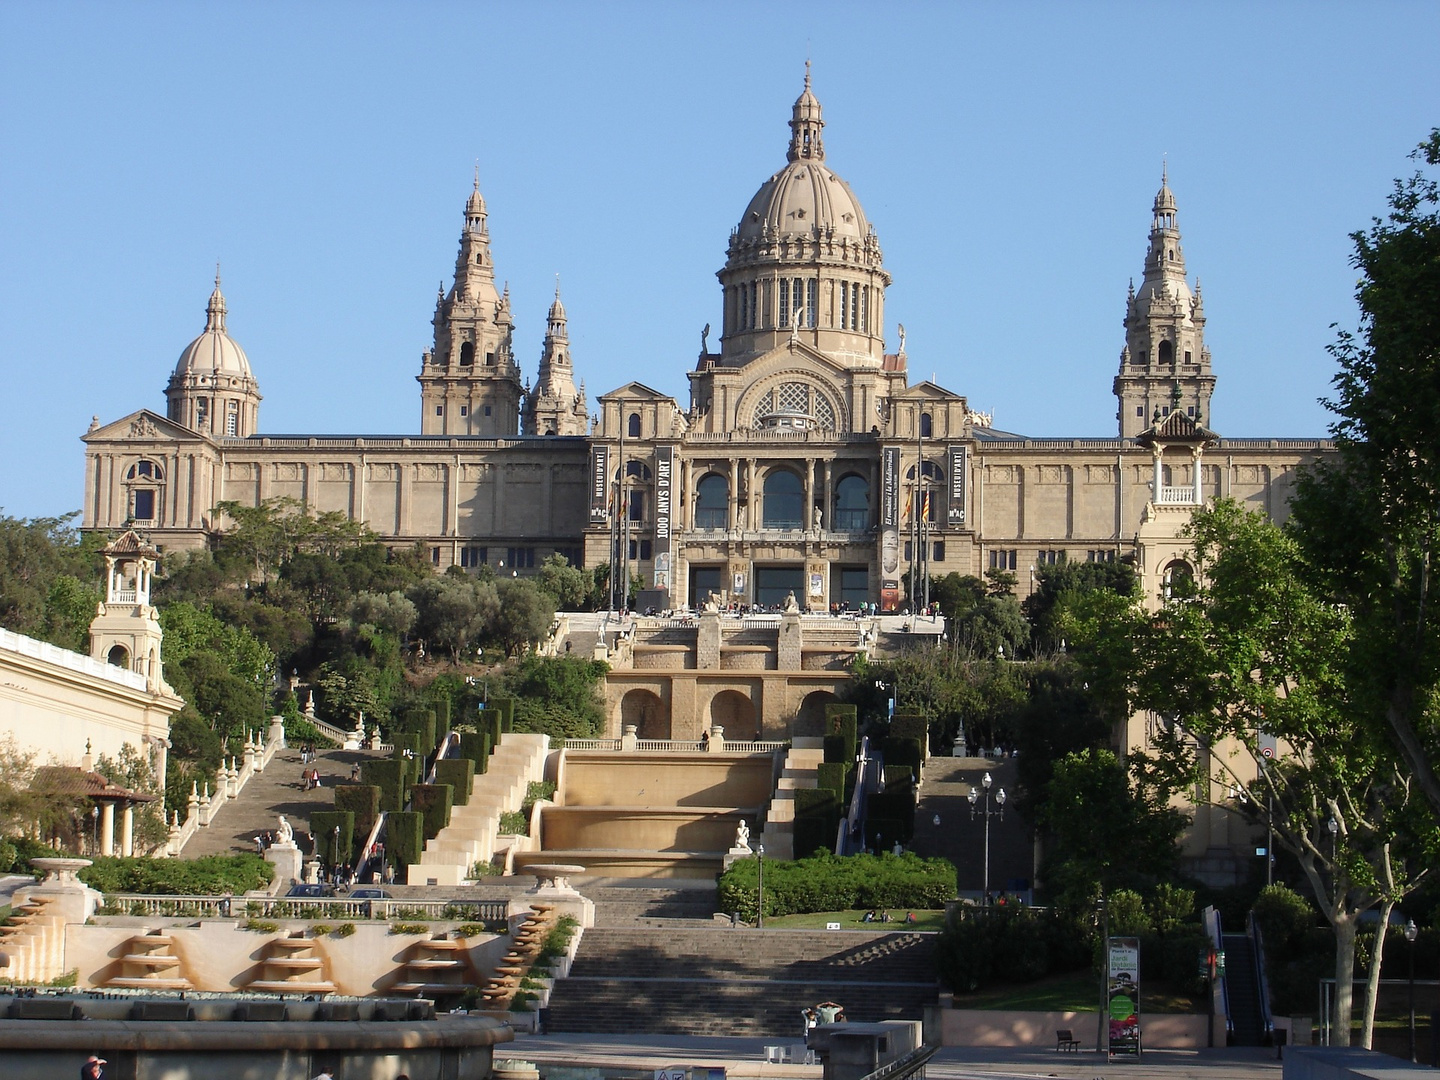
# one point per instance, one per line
(1123, 995)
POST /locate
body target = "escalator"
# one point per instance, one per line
(1249, 1019)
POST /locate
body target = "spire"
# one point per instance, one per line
(805, 125)
(1165, 261)
(215, 309)
(557, 309)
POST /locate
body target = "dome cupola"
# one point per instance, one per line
(804, 261)
(213, 390)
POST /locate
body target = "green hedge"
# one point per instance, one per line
(835, 883)
(403, 741)
(421, 723)
(837, 751)
(899, 750)
(896, 806)
(322, 830)
(442, 719)
(503, 709)
(899, 776)
(476, 747)
(404, 840)
(363, 801)
(390, 776)
(909, 725)
(459, 773)
(841, 720)
(990, 946)
(817, 817)
(432, 802)
(209, 875)
(831, 776)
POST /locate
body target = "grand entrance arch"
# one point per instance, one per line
(734, 712)
(647, 712)
(810, 720)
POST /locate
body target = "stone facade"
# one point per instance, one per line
(804, 462)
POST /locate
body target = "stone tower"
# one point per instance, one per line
(212, 390)
(804, 262)
(555, 407)
(469, 381)
(126, 629)
(1164, 366)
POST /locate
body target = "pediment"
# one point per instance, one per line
(1177, 428)
(142, 426)
(635, 392)
(927, 391)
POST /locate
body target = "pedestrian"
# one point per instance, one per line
(327, 1073)
(94, 1068)
(260, 844)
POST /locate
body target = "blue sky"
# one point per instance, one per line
(1007, 155)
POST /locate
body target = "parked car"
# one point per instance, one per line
(367, 893)
(305, 889)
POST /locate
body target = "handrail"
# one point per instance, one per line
(329, 730)
(452, 739)
(1217, 942)
(371, 840)
(856, 813)
(1257, 940)
(905, 1065)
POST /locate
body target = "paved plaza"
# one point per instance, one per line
(745, 1057)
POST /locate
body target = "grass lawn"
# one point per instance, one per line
(853, 920)
(1077, 991)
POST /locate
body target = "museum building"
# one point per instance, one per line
(804, 462)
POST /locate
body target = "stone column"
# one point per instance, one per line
(807, 521)
(127, 830)
(107, 828)
(1195, 474)
(734, 495)
(1159, 481)
(829, 495)
(707, 641)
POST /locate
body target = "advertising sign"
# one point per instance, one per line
(890, 528)
(599, 485)
(664, 490)
(1123, 995)
(957, 457)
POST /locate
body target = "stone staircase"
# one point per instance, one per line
(960, 837)
(33, 941)
(799, 771)
(724, 982)
(470, 837)
(149, 963)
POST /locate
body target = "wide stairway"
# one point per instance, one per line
(720, 981)
(960, 836)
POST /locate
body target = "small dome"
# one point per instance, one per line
(214, 351)
(804, 198)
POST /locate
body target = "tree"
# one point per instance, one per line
(1254, 649)
(1370, 520)
(558, 695)
(454, 612)
(525, 617)
(35, 554)
(1110, 829)
(1058, 585)
(567, 585)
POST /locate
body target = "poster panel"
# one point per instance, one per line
(599, 484)
(890, 528)
(664, 501)
(957, 458)
(1122, 985)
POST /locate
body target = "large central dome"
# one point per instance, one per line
(803, 262)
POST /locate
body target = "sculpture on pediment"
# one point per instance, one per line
(142, 427)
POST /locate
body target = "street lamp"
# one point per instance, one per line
(759, 886)
(95, 828)
(1411, 933)
(335, 851)
(974, 798)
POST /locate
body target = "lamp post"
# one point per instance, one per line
(759, 886)
(974, 798)
(335, 851)
(95, 829)
(1411, 933)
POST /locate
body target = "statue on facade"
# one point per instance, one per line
(791, 604)
(705, 340)
(285, 834)
(712, 602)
(742, 836)
(902, 338)
(818, 519)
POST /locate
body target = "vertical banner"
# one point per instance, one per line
(1123, 995)
(599, 484)
(890, 528)
(958, 458)
(664, 501)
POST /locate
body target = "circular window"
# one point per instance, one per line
(795, 406)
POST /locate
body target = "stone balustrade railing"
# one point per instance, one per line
(302, 907)
(230, 780)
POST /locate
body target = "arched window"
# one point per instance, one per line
(712, 496)
(1167, 353)
(638, 469)
(927, 426)
(1178, 580)
(633, 429)
(467, 354)
(784, 506)
(929, 497)
(852, 504)
(118, 656)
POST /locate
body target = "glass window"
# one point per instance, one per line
(784, 506)
(784, 303)
(864, 310)
(144, 505)
(844, 305)
(633, 429)
(637, 505)
(939, 552)
(472, 556)
(712, 497)
(812, 288)
(852, 504)
(927, 426)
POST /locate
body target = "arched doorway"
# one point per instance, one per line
(647, 712)
(810, 720)
(734, 712)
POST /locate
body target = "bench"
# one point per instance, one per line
(1065, 1040)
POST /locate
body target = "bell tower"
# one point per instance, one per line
(469, 381)
(554, 406)
(126, 629)
(1165, 366)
